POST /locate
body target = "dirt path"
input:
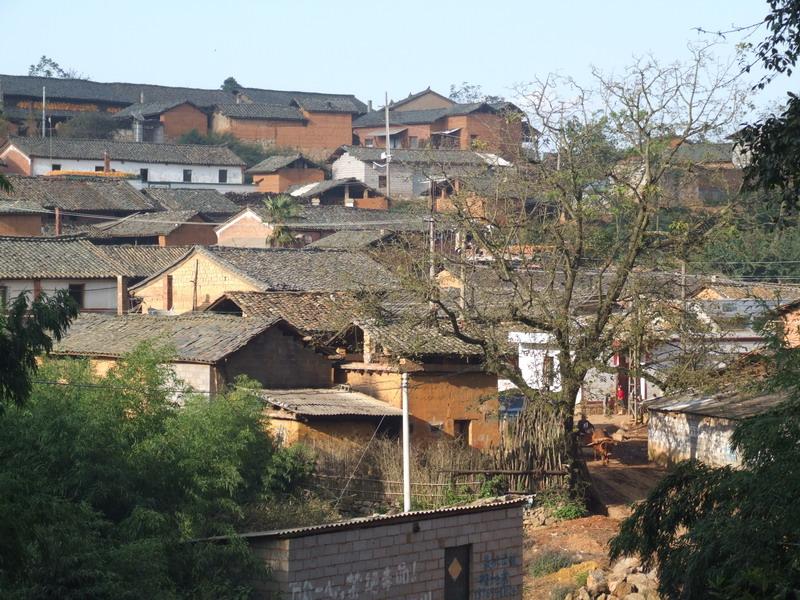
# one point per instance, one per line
(628, 477)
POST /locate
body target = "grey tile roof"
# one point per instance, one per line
(377, 118)
(351, 240)
(195, 337)
(289, 269)
(10, 207)
(145, 224)
(412, 97)
(425, 156)
(309, 190)
(329, 103)
(731, 404)
(258, 110)
(131, 93)
(705, 152)
(204, 201)
(413, 334)
(83, 194)
(53, 258)
(349, 218)
(148, 109)
(328, 403)
(279, 161)
(142, 261)
(179, 154)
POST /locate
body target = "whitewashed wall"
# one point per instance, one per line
(99, 294)
(676, 436)
(156, 172)
(404, 181)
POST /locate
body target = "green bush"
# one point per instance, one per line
(562, 504)
(550, 562)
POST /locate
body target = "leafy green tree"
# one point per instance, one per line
(230, 85)
(251, 154)
(27, 329)
(725, 532)
(89, 125)
(471, 93)
(47, 67)
(280, 209)
(108, 484)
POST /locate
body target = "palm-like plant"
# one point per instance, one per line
(5, 184)
(279, 210)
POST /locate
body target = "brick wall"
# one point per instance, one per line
(201, 234)
(17, 162)
(246, 232)
(403, 560)
(23, 225)
(182, 119)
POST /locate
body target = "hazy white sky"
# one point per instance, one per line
(359, 47)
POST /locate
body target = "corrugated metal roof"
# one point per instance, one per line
(328, 402)
(734, 405)
(378, 520)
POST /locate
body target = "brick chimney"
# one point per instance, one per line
(58, 221)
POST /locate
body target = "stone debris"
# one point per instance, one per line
(624, 580)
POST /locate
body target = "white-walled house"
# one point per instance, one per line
(42, 265)
(149, 162)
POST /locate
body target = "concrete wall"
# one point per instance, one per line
(212, 282)
(405, 183)
(404, 560)
(246, 230)
(675, 436)
(156, 172)
(340, 432)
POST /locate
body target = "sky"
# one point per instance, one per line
(362, 48)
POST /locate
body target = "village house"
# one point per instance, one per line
(495, 127)
(206, 273)
(162, 228)
(37, 265)
(209, 350)
(138, 262)
(357, 240)
(66, 204)
(160, 121)
(469, 551)
(699, 426)
(413, 173)
(252, 227)
(328, 416)
(348, 192)
(278, 173)
(311, 122)
(163, 163)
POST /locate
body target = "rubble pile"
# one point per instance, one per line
(624, 580)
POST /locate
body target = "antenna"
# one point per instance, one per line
(44, 127)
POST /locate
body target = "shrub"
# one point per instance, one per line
(550, 561)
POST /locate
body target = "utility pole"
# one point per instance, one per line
(406, 445)
(388, 149)
(44, 127)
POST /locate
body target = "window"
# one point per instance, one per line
(413, 142)
(55, 167)
(76, 292)
(143, 174)
(461, 429)
(369, 142)
(382, 181)
(187, 176)
(223, 175)
(3, 295)
(99, 169)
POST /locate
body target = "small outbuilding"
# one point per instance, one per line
(699, 426)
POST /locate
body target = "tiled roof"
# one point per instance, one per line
(426, 116)
(351, 240)
(329, 104)
(273, 163)
(328, 403)
(290, 269)
(349, 218)
(78, 194)
(179, 154)
(53, 258)
(195, 337)
(309, 190)
(731, 404)
(146, 225)
(257, 110)
(8, 206)
(410, 97)
(204, 201)
(705, 152)
(148, 109)
(142, 261)
(131, 93)
(310, 312)
(730, 290)
(409, 335)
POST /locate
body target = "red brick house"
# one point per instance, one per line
(278, 173)
(160, 121)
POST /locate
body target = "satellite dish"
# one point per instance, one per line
(383, 155)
